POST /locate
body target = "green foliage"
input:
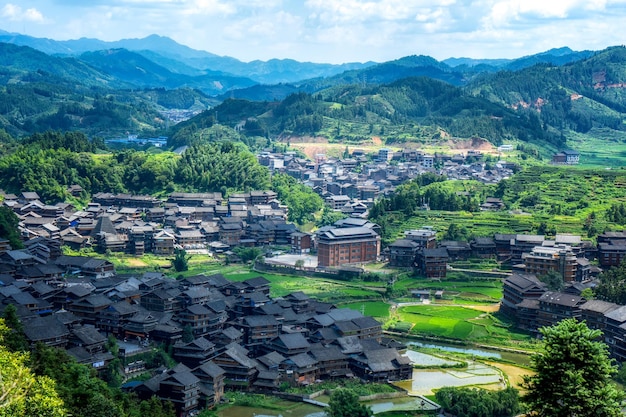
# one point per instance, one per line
(221, 166)
(13, 338)
(616, 213)
(247, 254)
(72, 141)
(456, 232)
(188, 336)
(587, 294)
(554, 280)
(329, 217)
(573, 374)
(475, 402)
(22, 393)
(345, 403)
(45, 165)
(181, 260)
(612, 285)
(9, 223)
(302, 201)
(83, 393)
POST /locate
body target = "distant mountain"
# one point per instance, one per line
(24, 59)
(40, 92)
(556, 56)
(134, 68)
(410, 66)
(579, 96)
(174, 56)
(543, 104)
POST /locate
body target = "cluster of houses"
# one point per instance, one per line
(352, 184)
(566, 254)
(532, 305)
(139, 224)
(222, 333)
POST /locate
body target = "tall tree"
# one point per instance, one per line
(8, 227)
(612, 286)
(553, 279)
(345, 403)
(573, 374)
(181, 260)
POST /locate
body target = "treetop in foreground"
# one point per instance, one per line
(345, 403)
(573, 374)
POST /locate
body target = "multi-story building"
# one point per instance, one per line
(350, 245)
(542, 260)
(556, 306)
(402, 252)
(425, 237)
(611, 253)
(520, 287)
(432, 263)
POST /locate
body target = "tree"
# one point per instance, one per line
(247, 254)
(181, 260)
(14, 339)
(612, 286)
(9, 227)
(345, 403)
(573, 374)
(188, 334)
(476, 402)
(22, 393)
(587, 294)
(553, 280)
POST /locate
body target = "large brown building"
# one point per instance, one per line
(349, 245)
(542, 260)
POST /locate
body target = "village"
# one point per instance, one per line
(234, 335)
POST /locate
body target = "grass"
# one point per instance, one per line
(321, 288)
(461, 323)
(377, 309)
(457, 287)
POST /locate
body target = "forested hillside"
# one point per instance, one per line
(49, 163)
(412, 99)
(411, 109)
(578, 96)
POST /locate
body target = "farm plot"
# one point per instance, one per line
(457, 323)
(322, 289)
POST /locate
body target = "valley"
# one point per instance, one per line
(397, 229)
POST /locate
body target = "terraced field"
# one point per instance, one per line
(456, 322)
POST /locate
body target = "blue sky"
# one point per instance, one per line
(333, 31)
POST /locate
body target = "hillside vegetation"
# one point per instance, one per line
(539, 199)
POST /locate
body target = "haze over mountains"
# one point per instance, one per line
(165, 58)
(139, 85)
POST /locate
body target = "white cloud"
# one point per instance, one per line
(17, 14)
(365, 10)
(508, 12)
(208, 7)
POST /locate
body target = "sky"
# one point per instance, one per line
(333, 31)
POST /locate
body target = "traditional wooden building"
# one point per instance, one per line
(351, 245)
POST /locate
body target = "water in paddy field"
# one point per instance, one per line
(425, 381)
(518, 358)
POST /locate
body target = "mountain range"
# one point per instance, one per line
(139, 84)
(179, 62)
